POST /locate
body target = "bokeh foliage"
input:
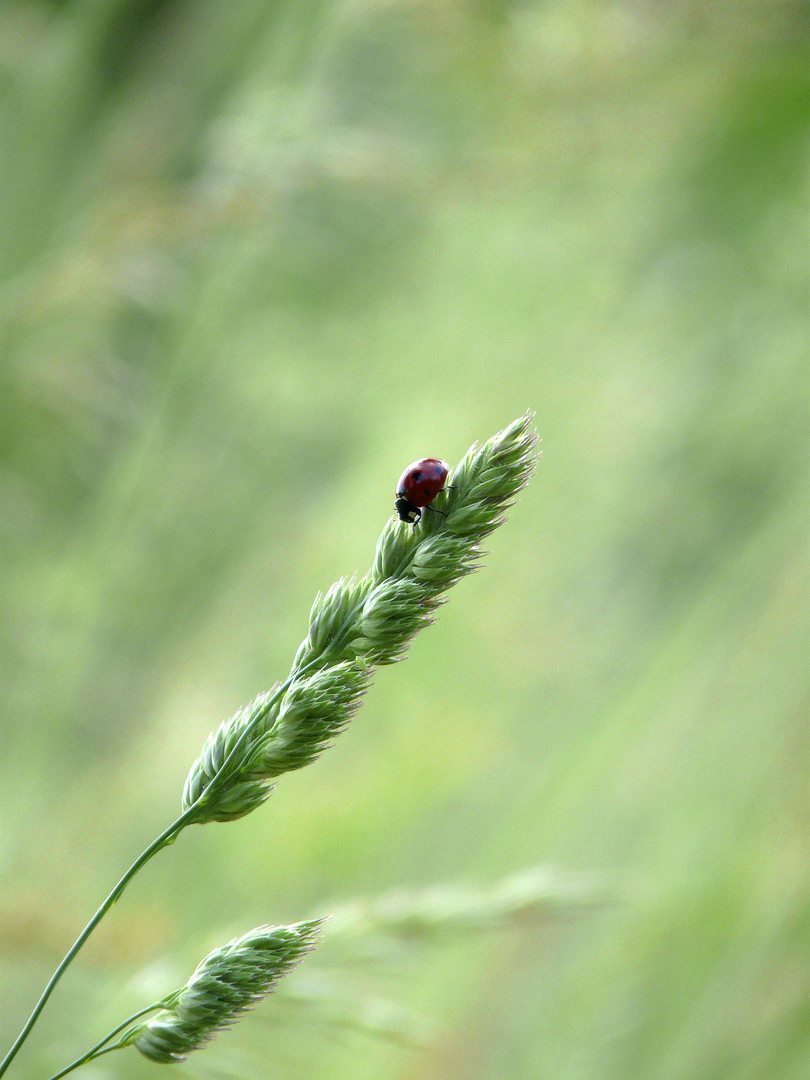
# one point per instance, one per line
(255, 258)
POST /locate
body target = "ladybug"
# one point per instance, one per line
(418, 487)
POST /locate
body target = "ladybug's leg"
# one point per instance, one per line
(436, 511)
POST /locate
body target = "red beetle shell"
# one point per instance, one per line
(422, 481)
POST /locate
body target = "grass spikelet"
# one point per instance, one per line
(357, 625)
(237, 794)
(312, 712)
(229, 981)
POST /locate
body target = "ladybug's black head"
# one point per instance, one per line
(407, 511)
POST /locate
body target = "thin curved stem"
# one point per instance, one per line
(165, 838)
(86, 1058)
(168, 836)
(97, 1050)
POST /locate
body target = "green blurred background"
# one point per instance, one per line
(255, 258)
